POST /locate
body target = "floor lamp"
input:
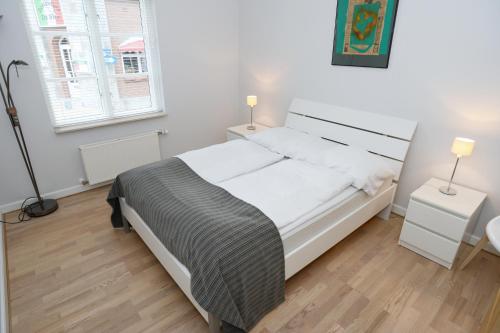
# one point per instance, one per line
(42, 206)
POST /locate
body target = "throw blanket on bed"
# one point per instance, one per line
(233, 251)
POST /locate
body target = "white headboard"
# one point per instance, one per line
(389, 137)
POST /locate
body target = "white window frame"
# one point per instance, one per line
(152, 55)
(138, 56)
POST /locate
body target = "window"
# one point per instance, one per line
(130, 63)
(134, 62)
(66, 58)
(94, 56)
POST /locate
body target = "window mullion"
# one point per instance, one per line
(152, 60)
(97, 50)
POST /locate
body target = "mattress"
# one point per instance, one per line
(296, 195)
(320, 218)
(288, 190)
(305, 219)
(231, 159)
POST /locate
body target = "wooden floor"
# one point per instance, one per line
(71, 272)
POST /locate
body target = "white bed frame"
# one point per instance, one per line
(385, 136)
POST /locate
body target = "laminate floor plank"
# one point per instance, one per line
(72, 272)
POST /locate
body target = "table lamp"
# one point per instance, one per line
(251, 102)
(461, 147)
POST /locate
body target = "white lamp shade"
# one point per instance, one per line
(252, 101)
(463, 147)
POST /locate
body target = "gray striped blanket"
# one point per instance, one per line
(233, 251)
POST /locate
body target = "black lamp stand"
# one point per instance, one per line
(42, 206)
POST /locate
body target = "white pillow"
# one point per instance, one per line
(368, 170)
(314, 150)
(290, 143)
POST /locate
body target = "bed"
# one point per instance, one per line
(309, 234)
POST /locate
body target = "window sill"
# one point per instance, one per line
(108, 122)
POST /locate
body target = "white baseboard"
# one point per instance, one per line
(473, 240)
(53, 195)
(468, 238)
(399, 210)
(4, 303)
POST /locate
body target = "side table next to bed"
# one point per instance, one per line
(239, 132)
(436, 223)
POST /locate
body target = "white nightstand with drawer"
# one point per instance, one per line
(239, 132)
(435, 223)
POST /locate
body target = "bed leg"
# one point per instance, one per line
(385, 214)
(126, 225)
(214, 324)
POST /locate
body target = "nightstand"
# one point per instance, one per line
(239, 132)
(435, 223)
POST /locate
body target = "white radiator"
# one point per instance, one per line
(103, 161)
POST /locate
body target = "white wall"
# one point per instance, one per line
(199, 52)
(444, 72)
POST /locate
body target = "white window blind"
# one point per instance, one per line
(97, 58)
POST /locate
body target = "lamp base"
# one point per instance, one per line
(36, 210)
(447, 190)
(251, 128)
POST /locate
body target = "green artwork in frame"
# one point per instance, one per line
(363, 32)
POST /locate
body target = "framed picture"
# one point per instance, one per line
(363, 32)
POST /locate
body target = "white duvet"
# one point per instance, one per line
(221, 162)
(287, 190)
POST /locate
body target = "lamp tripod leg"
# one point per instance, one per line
(41, 207)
